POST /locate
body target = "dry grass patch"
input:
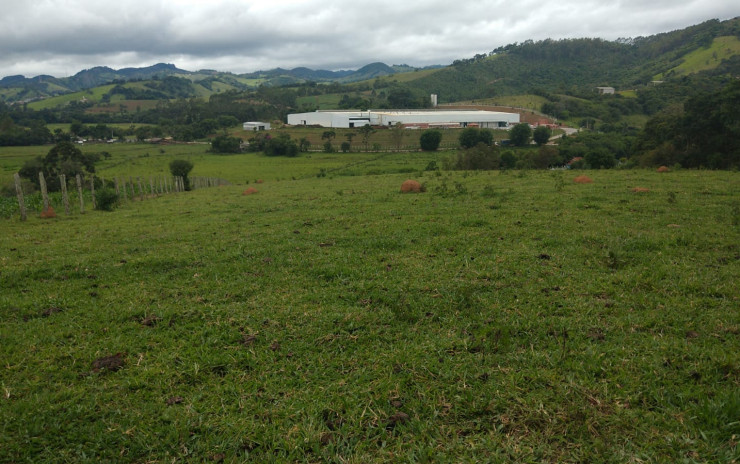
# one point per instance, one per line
(640, 190)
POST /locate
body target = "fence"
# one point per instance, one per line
(127, 189)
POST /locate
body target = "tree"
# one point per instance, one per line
(181, 168)
(226, 144)
(541, 135)
(282, 145)
(480, 157)
(430, 140)
(472, 136)
(397, 133)
(600, 159)
(520, 134)
(366, 131)
(304, 144)
(328, 135)
(64, 158)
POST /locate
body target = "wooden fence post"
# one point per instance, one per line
(141, 188)
(44, 193)
(124, 194)
(19, 194)
(117, 187)
(65, 195)
(79, 193)
(92, 190)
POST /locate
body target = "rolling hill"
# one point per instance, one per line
(696, 57)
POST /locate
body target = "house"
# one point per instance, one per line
(256, 126)
(605, 90)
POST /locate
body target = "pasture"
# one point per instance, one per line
(496, 317)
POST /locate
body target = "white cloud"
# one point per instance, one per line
(60, 37)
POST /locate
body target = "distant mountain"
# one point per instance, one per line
(20, 88)
(549, 66)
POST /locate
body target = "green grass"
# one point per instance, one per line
(707, 58)
(510, 317)
(93, 95)
(529, 101)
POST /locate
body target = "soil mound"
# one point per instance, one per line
(583, 180)
(48, 213)
(410, 186)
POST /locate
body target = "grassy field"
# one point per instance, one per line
(707, 58)
(497, 317)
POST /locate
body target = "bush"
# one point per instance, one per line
(106, 199)
(472, 136)
(430, 140)
(181, 168)
(226, 144)
(282, 145)
(481, 157)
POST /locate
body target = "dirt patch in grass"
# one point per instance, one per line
(174, 400)
(395, 419)
(110, 363)
(52, 310)
(150, 320)
(640, 190)
(583, 180)
(411, 186)
(250, 191)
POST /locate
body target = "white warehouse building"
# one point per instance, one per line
(409, 118)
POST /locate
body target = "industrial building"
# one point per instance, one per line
(409, 118)
(256, 126)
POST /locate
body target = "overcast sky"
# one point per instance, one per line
(62, 37)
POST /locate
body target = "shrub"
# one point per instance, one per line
(600, 159)
(282, 145)
(181, 168)
(106, 199)
(481, 157)
(472, 137)
(430, 140)
(226, 144)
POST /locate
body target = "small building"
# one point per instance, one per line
(409, 118)
(605, 90)
(256, 126)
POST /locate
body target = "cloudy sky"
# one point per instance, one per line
(62, 37)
